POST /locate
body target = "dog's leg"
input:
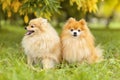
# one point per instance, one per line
(48, 63)
(30, 62)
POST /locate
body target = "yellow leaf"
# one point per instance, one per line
(21, 12)
(9, 13)
(15, 5)
(47, 16)
(40, 5)
(26, 19)
(72, 1)
(35, 13)
(4, 5)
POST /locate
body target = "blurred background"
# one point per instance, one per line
(98, 13)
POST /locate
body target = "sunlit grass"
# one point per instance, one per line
(13, 61)
(99, 25)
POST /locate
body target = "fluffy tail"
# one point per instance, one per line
(99, 51)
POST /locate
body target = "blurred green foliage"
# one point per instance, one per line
(45, 8)
(58, 11)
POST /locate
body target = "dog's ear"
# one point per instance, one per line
(70, 20)
(82, 21)
(43, 20)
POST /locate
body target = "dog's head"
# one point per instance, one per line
(36, 26)
(75, 28)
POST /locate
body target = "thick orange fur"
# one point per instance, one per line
(43, 43)
(80, 48)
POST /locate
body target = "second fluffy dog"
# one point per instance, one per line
(78, 43)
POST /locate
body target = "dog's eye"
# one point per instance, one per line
(71, 30)
(32, 26)
(78, 30)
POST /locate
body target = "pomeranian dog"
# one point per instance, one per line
(41, 42)
(78, 43)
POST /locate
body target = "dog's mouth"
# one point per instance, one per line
(75, 35)
(29, 32)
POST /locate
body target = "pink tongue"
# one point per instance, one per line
(28, 33)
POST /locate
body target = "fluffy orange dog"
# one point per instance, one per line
(41, 42)
(78, 43)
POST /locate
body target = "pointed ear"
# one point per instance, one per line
(82, 21)
(70, 20)
(43, 20)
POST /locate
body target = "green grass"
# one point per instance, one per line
(112, 25)
(13, 61)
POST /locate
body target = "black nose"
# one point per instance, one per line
(25, 27)
(75, 33)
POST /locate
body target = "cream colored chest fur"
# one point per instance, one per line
(38, 46)
(75, 50)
